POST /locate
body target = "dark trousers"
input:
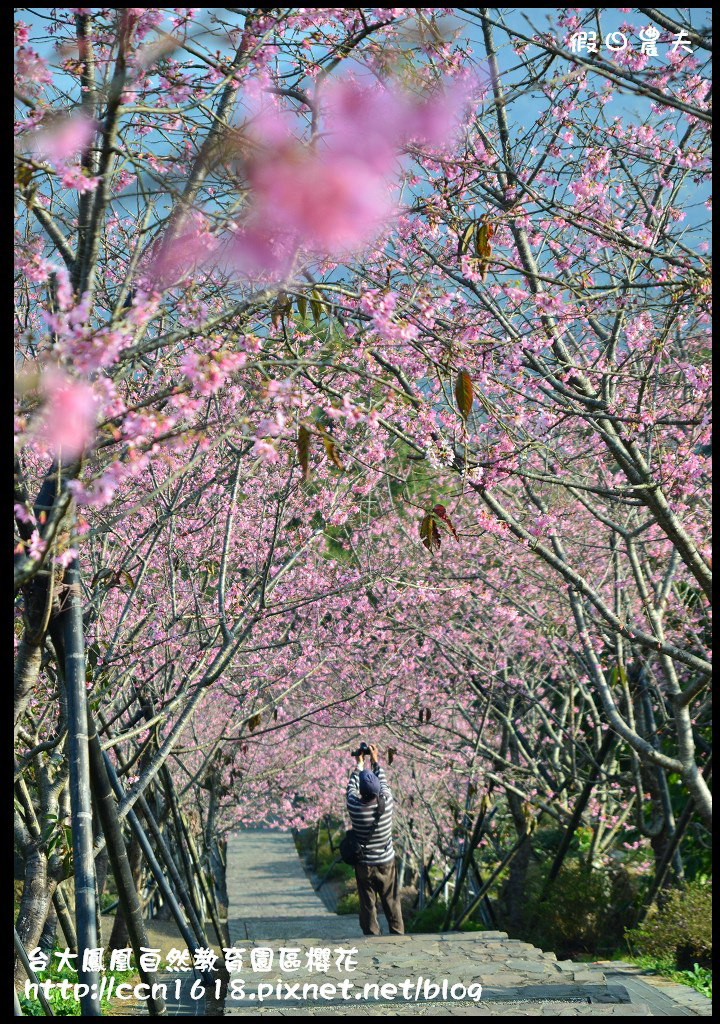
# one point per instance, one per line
(381, 880)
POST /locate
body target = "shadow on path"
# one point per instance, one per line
(271, 897)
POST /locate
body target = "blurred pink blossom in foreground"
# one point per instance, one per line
(169, 262)
(63, 141)
(329, 198)
(67, 423)
(330, 203)
(332, 198)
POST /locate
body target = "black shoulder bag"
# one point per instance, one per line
(351, 849)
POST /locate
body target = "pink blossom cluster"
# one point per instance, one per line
(60, 145)
(67, 422)
(381, 305)
(210, 371)
(172, 261)
(90, 349)
(640, 328)
(102, 490)
(328, 198)
(30, 261)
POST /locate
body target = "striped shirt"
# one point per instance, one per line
(380, 848)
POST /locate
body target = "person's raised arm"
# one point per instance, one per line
(353, 786)
(384, 788)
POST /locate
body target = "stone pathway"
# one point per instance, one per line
(272, 905)
(665, 998)
(271, 897)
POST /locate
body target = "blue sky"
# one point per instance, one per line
(523, 112)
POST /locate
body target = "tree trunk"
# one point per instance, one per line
(70, 619)
(38, 888)
(27, 668)
(513, 894)
(49, 932)
(119, 937)
(125, 880)
(190, 880)
(580, 806)
(101, 870)
(65, 918)
(654, 780)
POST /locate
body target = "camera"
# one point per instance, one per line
(361, 750)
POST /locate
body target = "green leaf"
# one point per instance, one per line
(317, 305)
(464, 239)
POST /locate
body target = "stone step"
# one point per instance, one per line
(272, 904)
(502, 978)
(434, 1009)
(281, 994)
(508, 970)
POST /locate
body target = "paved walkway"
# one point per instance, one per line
(317, 963)
(271, 897)
(665, 998)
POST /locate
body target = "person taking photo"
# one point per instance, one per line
(370, 807)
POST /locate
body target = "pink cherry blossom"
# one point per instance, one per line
(37, 545)
(63, 141)
(330, 204)
(67, 422)
(265, 450)
(332, 199)
(270, 447)
(66, 557)
(75, 177)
